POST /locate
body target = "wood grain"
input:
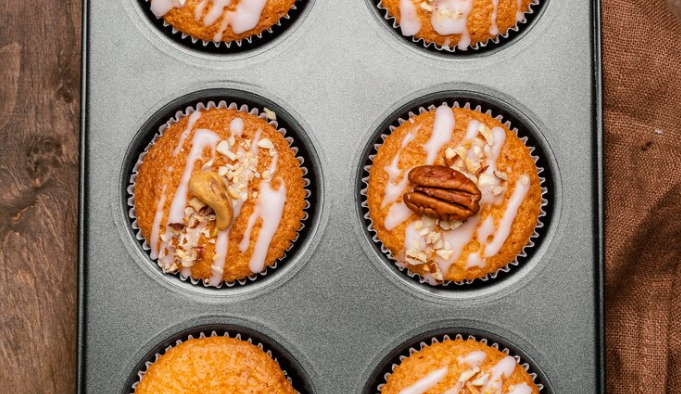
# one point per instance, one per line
(39, 103)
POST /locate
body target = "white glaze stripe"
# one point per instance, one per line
(443, 128)
(457, 239)
(494, 29)
(190, 125)
(162, 7)
(502, 370)
(158, 216)
(473, 359)
(446, 22)
(520, 15)
(522, 186)
(394, 189)
(410, 24)
(425, 384)
(271, 209)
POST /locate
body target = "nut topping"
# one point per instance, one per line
(442, 193)
(211, 189)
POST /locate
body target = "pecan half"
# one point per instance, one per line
(442, 193)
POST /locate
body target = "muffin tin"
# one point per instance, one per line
(335, 312)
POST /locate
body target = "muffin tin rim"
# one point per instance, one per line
(488, 49)
(493, 289)
(304, 246)
(225, 322)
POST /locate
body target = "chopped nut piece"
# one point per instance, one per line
(487, 133)
(481, 381)
(501, 175)
(486, 180)
(450, 153)
(265, 143)
(176, 227)
(472, 166)
(217, 270)
(266, 175)
(271, 115)
(427, 7)
(196, 204)
(222, 171)
(233, 193)
(223, 147)
(445, 253)
(497, 190)
(466, 375)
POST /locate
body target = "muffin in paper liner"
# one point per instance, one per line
(491, 42)
(237, 335)
(428, 279)
(188, 112)
(246, 43)
(448, 337)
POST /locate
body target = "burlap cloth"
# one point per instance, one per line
(642, 70)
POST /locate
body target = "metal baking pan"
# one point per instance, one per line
(336, 313)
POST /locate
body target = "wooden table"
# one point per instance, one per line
(39, 128)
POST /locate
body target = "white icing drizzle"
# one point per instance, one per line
(473, 359)
(410, 24)
(494, 29)
(203, 138)
(502, 370)
(485, 230)
(193, 118)
(397, 214)
(425, 384)
(247, 15)
(158, 216)
(457, 239)
(162, 7)
(443, 128)
(520, 15)
(472, 131)
(254, 144)
(221, 250)
(245, 241)
(271, 209)
(214, 13)
(236, 127)
(521, 388)
(522, 186)
(474, 260)
(392, 189)
(451, 17)
(488, 196)
(243, 19)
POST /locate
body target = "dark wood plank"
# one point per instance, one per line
(39, 129)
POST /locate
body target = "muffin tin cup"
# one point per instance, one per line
(178, 116)
(491, 43)
(235, 333)
(410, 350)
(428, 279)
(245, 44)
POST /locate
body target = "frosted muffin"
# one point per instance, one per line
(456, 23)
(459, 367)
(214, 365)
(454, 195)
(219, 196)
(221, 20)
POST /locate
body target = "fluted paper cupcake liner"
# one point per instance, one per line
(242, 337)
(496, 40)
(441, 338)
(428, 279)
(187, 112)
(244, 43)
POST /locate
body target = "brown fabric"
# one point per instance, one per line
(642, 57)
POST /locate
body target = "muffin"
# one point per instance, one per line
(454, 195)
(221, 20)
(456, 23)
(219, 196)
(214, 365)
(462, 367)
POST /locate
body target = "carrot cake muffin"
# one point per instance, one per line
(219, 196)
(456, 23)
(214, 365)
(454, 194)
(221, 20)
(459, 367)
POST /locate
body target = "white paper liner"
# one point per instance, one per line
(428, 278)
(227, 44)
(447, 337)
(187, 112)
(202, 335)
(452, 49)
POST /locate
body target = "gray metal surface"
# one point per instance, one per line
(336, 307)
